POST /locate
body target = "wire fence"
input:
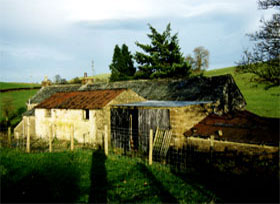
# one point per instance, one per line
(186, 156)
(137, 144)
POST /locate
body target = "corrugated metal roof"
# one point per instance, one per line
(240, 126)
(163, 103)
(80, 99)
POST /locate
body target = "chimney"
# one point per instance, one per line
(85, 75)
(46, 82)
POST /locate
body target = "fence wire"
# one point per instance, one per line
(135, 144)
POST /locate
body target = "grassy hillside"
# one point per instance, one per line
(102, 76)
(97, 78)
(12, 85)
(260, 99)
(18, 99)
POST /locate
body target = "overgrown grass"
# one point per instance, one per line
(12, 85)
(19, 99)
(261, 99)
(88, 176)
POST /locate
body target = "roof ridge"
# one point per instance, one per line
(92, 99)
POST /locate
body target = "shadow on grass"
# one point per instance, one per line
(98, 177)
(157, 187)
(231, 188)
(51, 180)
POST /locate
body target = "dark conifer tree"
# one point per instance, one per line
(122, 67)
(162, 58)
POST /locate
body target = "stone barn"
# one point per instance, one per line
(222, 91)
(138, 118)
(83, 112)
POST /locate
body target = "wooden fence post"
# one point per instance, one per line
(212, 138)
(151, 147)
(9, 137)
(17, 138)
(130, 133)
(106, 140)
(28, 136)
(50, 139)
(72, 138)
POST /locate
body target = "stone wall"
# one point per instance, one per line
(21, 129)
(184, 118)
(204, 145)
(62, 121)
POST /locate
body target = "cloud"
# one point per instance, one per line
(63, 36)
(32, 52)
(123, 24)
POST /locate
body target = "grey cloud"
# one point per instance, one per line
(126, 24)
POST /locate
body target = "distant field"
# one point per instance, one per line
(102, 76)
(13, 85)
(98, 77)
(260, 100)
(19, 99)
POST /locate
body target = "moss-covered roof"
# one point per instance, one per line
(221, 89)
(46, 92)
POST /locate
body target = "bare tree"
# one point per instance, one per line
(263, 60)
(200, 61)
(57, 79)
(190, 60)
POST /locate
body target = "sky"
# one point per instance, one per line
(44, 38)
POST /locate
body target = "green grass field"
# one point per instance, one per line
(19, 100)
(260, 99)
(88, 176)
(13, 85)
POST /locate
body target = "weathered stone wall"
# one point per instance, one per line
(21, 129)
(85, 131)
(184, 118)
(204, 145)
(62, 121)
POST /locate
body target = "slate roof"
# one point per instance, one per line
(162, 104)
(46, 92)
(219, 88)
(95, 99)
(29, 112)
